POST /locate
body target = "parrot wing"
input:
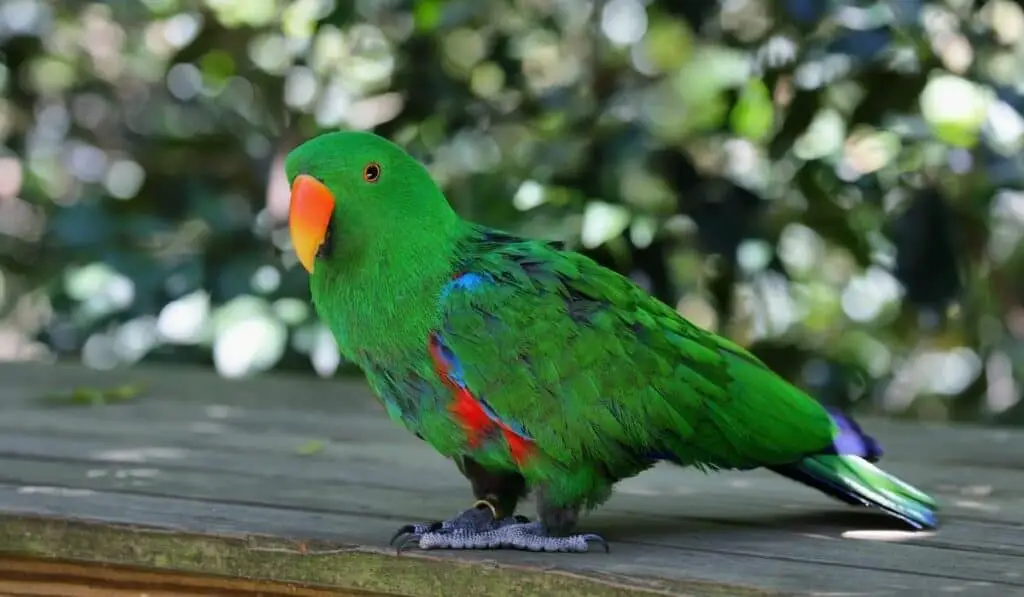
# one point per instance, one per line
(573, 358)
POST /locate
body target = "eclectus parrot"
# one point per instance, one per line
(536, 369)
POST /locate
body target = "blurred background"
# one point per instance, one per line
(835, 184)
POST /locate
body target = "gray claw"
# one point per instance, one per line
(407, 542)
(415, 529)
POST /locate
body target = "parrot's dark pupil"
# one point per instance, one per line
(327, 246)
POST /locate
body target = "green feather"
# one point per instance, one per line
(598, 373)
(859, 482)
(637, 375)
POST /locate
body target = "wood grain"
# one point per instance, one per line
(202, 475)
(49, 578)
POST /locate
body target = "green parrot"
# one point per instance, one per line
(536, 369)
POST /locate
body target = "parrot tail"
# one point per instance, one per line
(846, 473)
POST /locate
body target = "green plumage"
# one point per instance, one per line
(601, 374)
(598, 377)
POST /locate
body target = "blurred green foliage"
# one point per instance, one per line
(834, 184)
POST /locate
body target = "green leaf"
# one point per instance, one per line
(87, 396)
(314, 446)
(427, 14)
(753, 116)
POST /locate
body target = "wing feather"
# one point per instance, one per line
(586, 365)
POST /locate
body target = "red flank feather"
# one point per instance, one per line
(471, 414)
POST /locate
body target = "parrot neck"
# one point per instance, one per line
(383, 309)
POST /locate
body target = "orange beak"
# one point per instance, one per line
(309, 215)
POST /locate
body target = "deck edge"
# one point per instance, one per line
(324, 565)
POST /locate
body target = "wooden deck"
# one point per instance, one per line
(301, 482)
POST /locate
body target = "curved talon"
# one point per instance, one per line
(410, 530)
(407, 542)
(400, 532)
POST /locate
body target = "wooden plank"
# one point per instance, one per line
(989, 550)
(328, 564)
(215, 465)
(49, 578)
(247, 541)
(26, 384)
(790, 512)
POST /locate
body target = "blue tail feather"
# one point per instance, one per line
(845, 472)
(851, 440)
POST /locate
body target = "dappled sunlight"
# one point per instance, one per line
(880, 535)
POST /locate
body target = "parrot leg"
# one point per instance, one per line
(486, 526)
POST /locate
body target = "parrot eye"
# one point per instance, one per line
(371, 173)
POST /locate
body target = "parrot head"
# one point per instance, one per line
(355, 194)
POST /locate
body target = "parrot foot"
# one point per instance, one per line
(477, 528)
